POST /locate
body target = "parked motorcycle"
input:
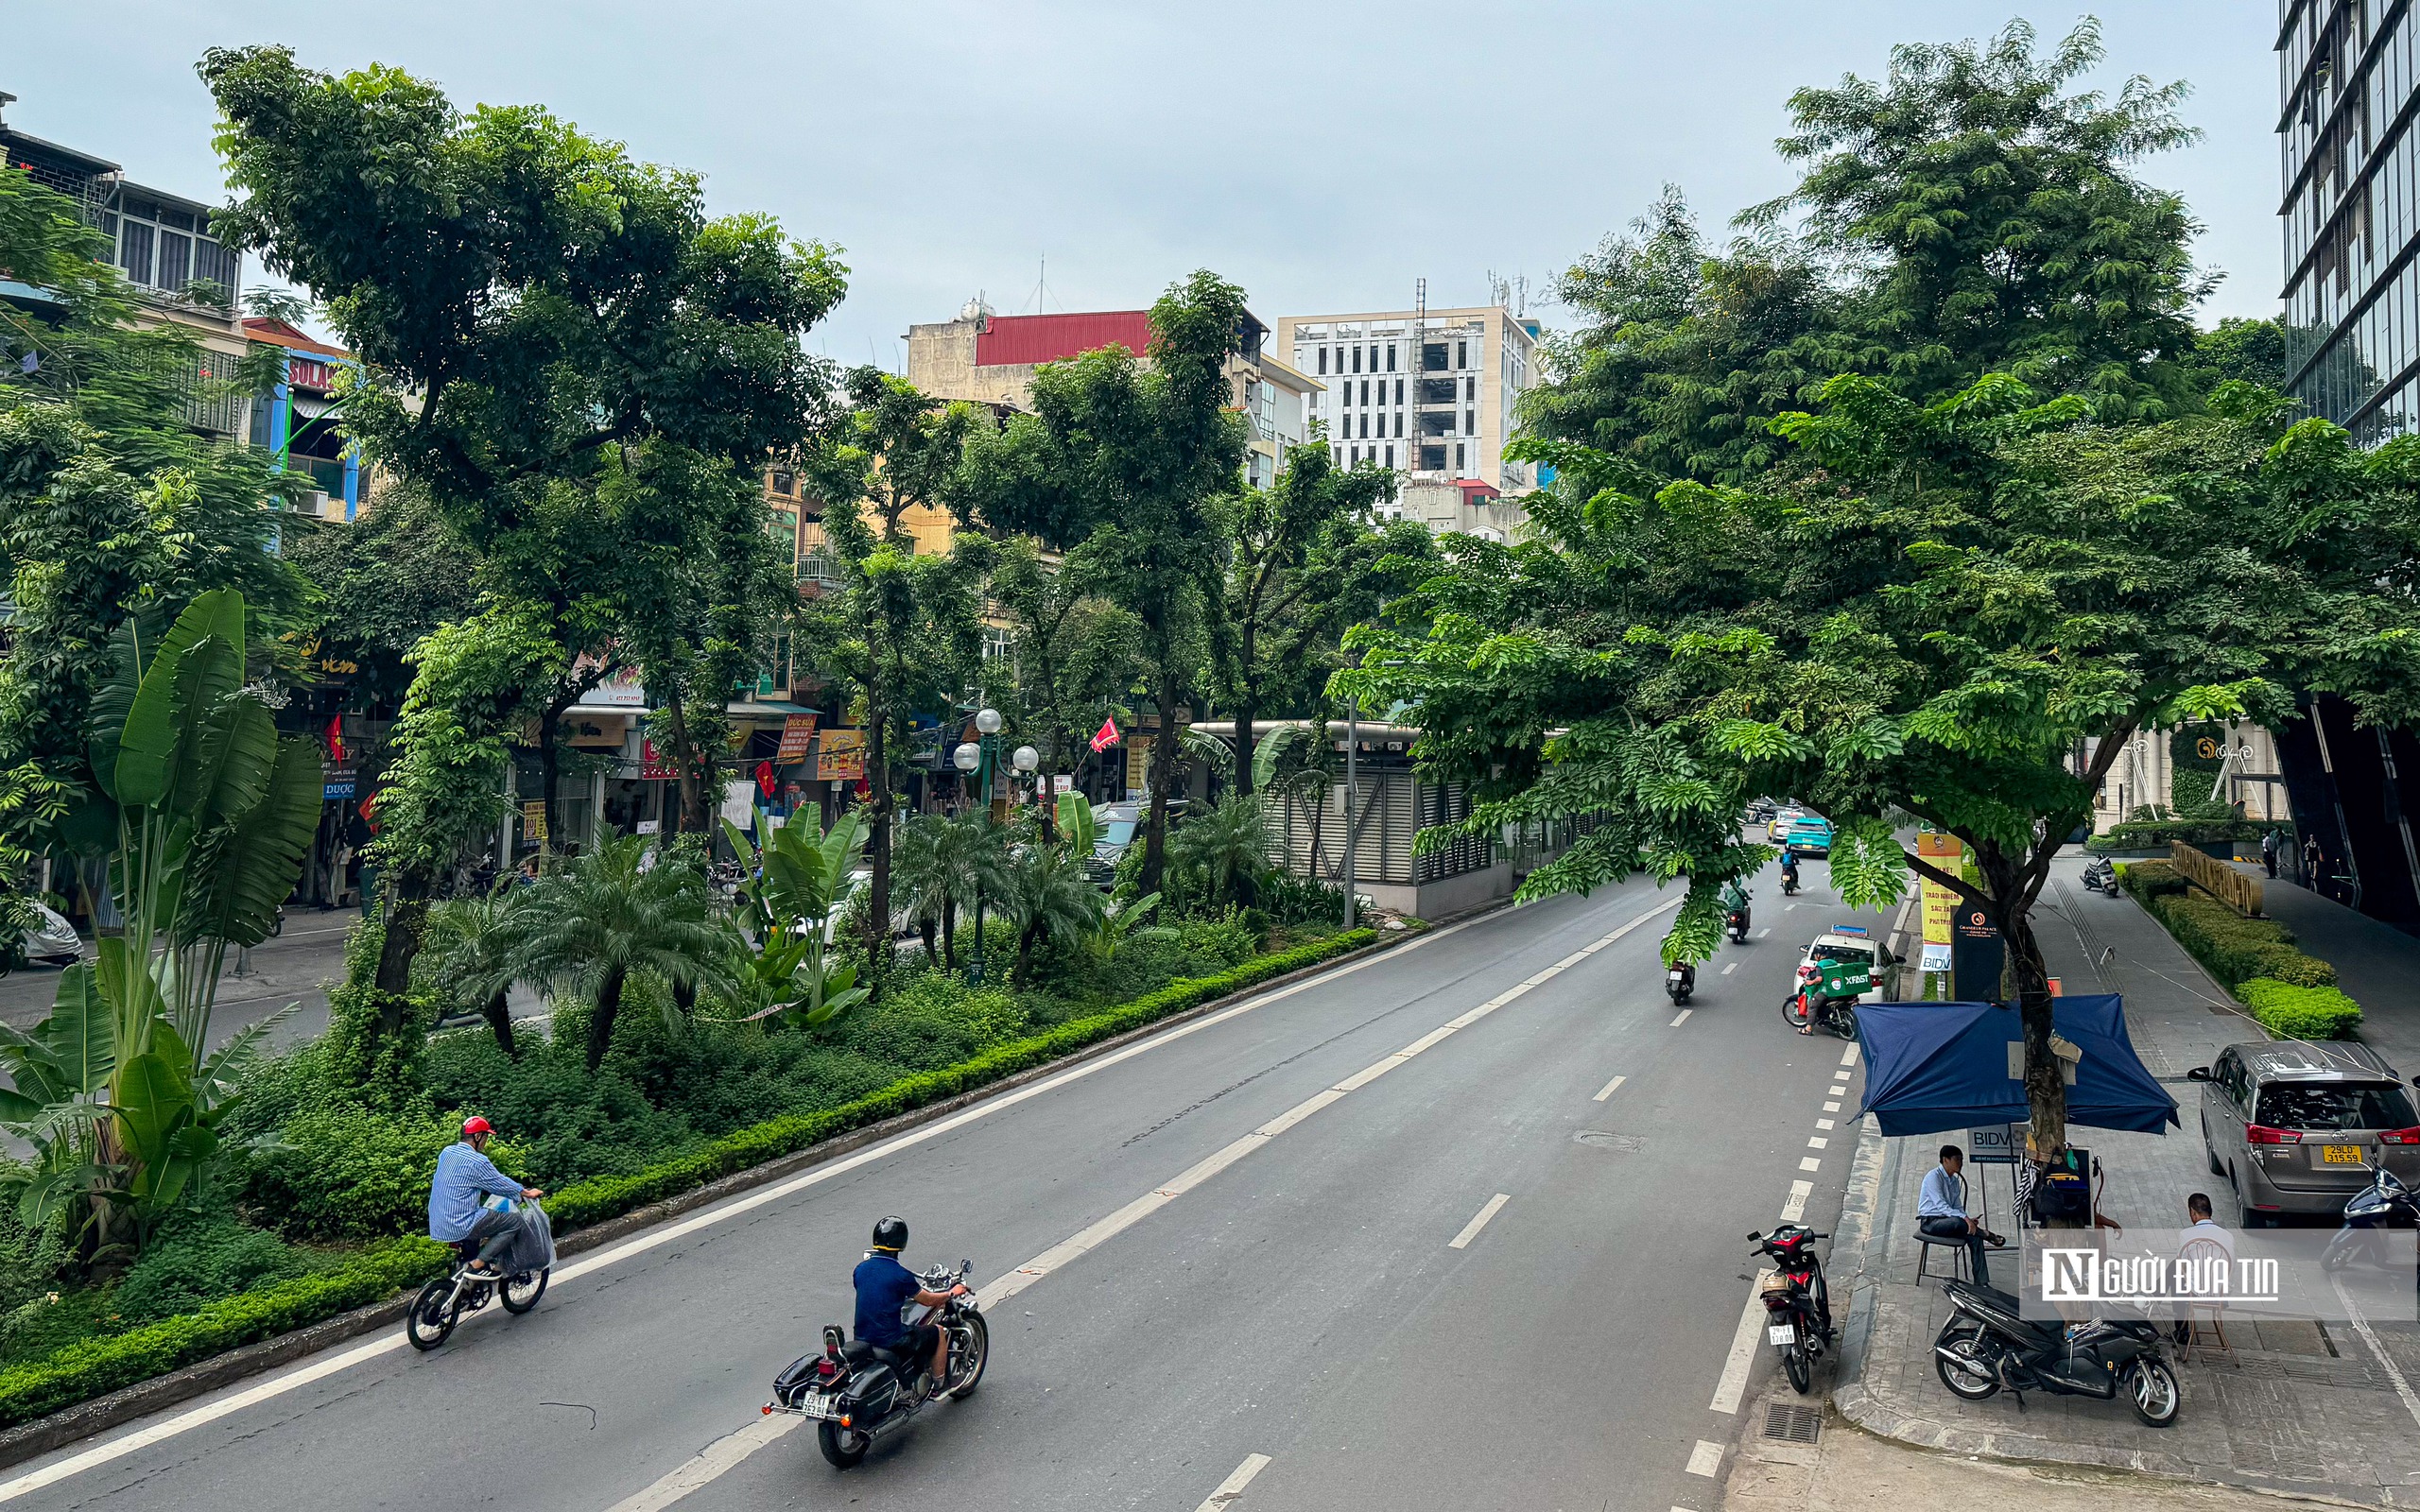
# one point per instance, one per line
(1987, 1345)
(858, 1392)
(2102, 877)
(1798, 1304)
(1680, 981)
(445, 1302)
(2385, 1203)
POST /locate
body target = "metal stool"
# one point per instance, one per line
(1961, 1267)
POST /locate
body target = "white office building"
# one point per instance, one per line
(1429, 393)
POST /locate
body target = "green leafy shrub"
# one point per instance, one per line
(82, 1371)
(340, 1171)
(1287, 899)
(2300, 1012)
(201, 1259)
(2236, 949)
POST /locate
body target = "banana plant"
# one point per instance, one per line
(211, 812)
(791, 885)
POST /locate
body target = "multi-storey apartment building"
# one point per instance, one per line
(2349, 74)
(1423, 391)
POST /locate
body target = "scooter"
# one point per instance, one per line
(1735, 921)
(1797, 1303)
(2385, 1203)
(1790, 879)
(2101, 877)
(1987, 1345)
(1680, 981)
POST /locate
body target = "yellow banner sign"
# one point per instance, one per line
(1945, 852)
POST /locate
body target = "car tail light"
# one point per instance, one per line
(2401, 1136)
(2263, 1134)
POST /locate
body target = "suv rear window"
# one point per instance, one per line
(2334, 1106)
(1827, 951)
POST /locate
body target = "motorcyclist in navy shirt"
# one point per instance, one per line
(885, 1290)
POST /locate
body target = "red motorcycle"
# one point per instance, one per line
(1798, 1306)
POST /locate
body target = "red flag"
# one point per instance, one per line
(335, 738)
(1105, 737)
(764, 778)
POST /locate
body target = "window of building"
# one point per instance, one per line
(1432, 458)
(1365, 427)
(1398, 384)
(1391, 357)
(1436, 390)
(134, 251)
(785, 484)
(1432, 356)
(1323, 362)
(1357, 359)
(1462, 354)
(1470, 388)
(1470, 421)
(1457, 457)
(1398, 422)
(1391, 451)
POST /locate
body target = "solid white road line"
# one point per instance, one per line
(1809, 1162)
(302, 1375)
(1682, 1020)
(717, 1457)
(1609, 1089)
(1750, 1332)
(1470, 1230)
(1796, 1209)
(1233, 1486)
(1706, 1458)
(1732, 967)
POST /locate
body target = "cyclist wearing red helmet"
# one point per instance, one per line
(464, 1175)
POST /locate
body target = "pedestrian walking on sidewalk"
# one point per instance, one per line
(2268, 851)
(2312, 863)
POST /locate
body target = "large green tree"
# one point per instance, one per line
(1978, 589)
(525, 299)
(1136, 459)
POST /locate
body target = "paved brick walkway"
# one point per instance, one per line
(2308, 1409)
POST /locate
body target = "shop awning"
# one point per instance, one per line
(768, 708)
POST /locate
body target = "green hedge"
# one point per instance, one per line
(88, 1369)
(603, 1197)
(2236, 949)
(2300, 1012)
(94, 1366)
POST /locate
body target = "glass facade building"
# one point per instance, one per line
(2351, 165)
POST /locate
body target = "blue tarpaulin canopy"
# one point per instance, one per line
(1935, 1066)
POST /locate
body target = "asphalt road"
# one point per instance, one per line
(1255, 1235)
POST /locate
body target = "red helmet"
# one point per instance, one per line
(476, 1125)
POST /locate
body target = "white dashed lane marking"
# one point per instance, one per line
(1682, 1020)
(1233, 1486)
(1470, 1230)
(1609, 1089)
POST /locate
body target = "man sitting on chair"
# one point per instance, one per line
(1940, 1211)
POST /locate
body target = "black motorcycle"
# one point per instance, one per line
(2101, 877)
(1735, 921)
(1988, 1344)
(1679, 980)
(1798, 1305)
(2385, 1203)
(858, 1392)
(1789, 882)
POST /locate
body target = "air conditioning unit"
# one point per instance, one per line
(314, 503)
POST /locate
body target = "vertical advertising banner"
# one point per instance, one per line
(1945, 851)
(1138, 764)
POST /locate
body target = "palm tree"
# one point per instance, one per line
(473, 954)
(609, 914)
(1049, 893)
(1229, 845)
(941, 864)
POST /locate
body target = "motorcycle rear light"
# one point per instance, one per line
(2401, 1136)
(2263, 1134)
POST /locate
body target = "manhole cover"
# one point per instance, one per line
(1627, 1143)
(1791, 1423)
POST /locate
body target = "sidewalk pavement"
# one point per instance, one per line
(2307, 1409)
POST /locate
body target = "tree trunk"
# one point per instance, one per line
(498, 1013)
(684, 999)
(1025, 955)
(407, 913)
(2045, 1093)
(878, 847)
(1163, 762)
(686, 769)
(1247, 709)
(551, 765)
(924, 928)
(949, 935)
(600, 1022)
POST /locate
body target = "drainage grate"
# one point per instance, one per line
(1791, 1423)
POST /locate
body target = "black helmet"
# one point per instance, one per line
(891, 1234)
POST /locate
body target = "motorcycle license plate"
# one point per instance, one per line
(1782, 1333)
(2340, 1154)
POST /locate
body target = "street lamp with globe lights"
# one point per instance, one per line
(975, 758)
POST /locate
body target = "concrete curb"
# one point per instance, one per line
(29, 1440)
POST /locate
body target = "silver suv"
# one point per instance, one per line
(2296, 1126)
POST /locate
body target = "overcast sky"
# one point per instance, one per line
(1323, 155)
